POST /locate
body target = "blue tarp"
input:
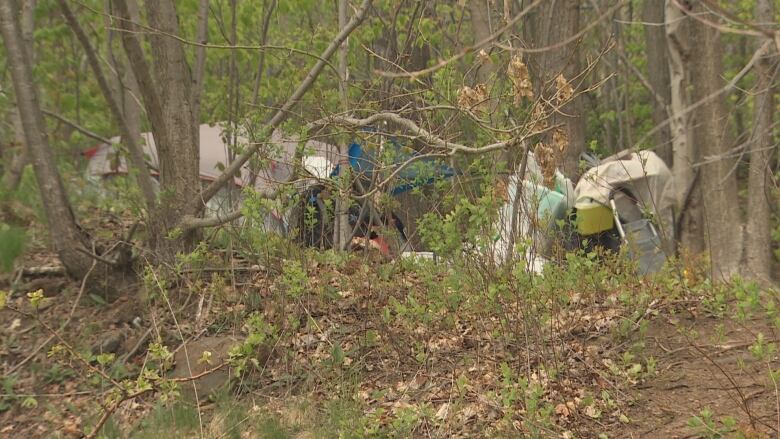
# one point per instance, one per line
(419, 173)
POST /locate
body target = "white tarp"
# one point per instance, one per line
(528, 224)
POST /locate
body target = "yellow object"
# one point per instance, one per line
(594, 218)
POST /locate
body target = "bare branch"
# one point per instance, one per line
(190, 222)
(136, 153)
(284, 112)
(481, 44)
(76, 126)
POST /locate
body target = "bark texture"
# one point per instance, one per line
(168, 101)
(551, 23)
(341, 229)
(722, 224)
(198, 77)
(481, 27)
(758, 238)
(65, 233)
(15, 153)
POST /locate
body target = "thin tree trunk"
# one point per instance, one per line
(17, 155)
(758, 239)
(341, 229)
(174, 125)
(65, 233)
(658, 74)
(129, 137)
(269, 10)
(480, 26)
(198, 77)
(719, 180)
(688, 230)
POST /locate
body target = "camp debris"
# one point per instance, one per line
(629, 201)
(624, 201)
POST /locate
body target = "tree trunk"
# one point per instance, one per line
(65, 233)
(198, 77)
(341, 229)
(480, 26)
(711, 132)
(16, 156)
(168, 102)
(129, 137)
(758, 239)
(551, 23)
(684, 155)
(658, 74)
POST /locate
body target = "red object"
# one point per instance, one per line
(380, 244)
(89, 153)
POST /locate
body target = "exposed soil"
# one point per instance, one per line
(711, 369)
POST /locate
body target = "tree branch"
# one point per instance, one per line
(136, 153)
(284, 112)
(76, 126)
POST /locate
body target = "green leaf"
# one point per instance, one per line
(13, 239)
(338, 354)
(35, 297)
(97, 299)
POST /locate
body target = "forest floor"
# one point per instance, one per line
(376, 348)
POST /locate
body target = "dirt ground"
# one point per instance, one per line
(710, 369)
(703, 364)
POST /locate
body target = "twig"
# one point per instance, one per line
(76, 126)
(42, 271)
(127, 396)
(285, 111)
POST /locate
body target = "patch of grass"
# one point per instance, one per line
(174, 420)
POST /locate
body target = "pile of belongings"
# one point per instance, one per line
(628, 201)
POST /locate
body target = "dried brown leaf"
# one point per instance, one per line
(564, 91)
(472, 98)
(560, 141)
(518, 73)
(483, 57)
(538, 118)
(547, 159)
